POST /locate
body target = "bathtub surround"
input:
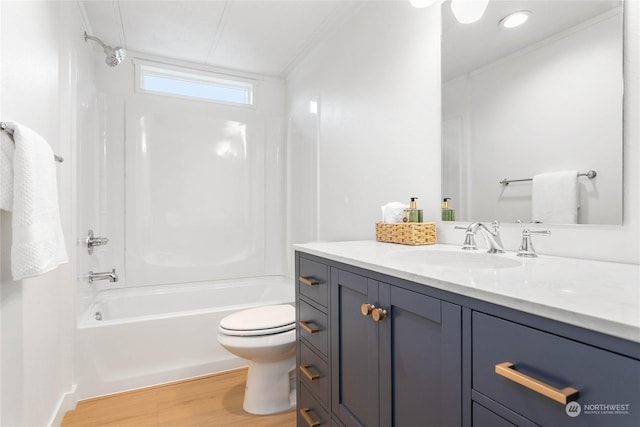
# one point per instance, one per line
(191, 188)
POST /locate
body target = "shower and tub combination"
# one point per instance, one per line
(189, 195)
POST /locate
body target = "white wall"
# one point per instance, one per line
(38, 314)
(541, 110)
(377, 137)
(366, 150)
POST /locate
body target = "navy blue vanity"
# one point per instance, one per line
(383, 341)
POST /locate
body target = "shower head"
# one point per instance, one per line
(115, 55)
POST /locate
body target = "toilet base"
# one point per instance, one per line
(268, 389)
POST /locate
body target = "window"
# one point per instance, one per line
(204, 86)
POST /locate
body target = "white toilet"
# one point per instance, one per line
(266, 337)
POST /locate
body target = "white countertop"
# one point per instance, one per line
(600, 296)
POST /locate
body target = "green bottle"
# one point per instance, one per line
(412, 214)
(448, 214)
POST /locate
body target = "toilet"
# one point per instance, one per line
(266, 337)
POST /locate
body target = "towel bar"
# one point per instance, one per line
(8, 130)
(589, 174)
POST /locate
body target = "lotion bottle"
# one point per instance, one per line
(412, 214)
(448, 214)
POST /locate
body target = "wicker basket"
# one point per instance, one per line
(408, 233)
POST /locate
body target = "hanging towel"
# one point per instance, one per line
(38, 243)
(554, 198)
(6, 171)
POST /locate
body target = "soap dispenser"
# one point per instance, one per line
(448, 214)
(412, 214)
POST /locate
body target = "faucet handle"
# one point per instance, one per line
(526, 247)
(92, 241)
(469, 239)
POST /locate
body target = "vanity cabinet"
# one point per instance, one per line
(395, 355)
(378, 351)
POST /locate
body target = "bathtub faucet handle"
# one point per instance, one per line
(92, 241)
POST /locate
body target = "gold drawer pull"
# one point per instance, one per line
(307, 373)
(563, 396)
(309, 329)
(307, 418)
(307, 281)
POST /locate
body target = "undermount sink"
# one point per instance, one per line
(453, 259)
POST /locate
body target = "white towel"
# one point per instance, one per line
(38, 242)
(393, 212)
(6, 171)
(554, 198)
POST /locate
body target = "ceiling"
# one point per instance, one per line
(268, 37)
(263, 37)
(471, 46)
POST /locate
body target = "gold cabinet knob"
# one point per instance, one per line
(366, 309)
(378, 314)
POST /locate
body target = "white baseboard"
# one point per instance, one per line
(66, 403)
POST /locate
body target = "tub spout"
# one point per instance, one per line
(109, 275)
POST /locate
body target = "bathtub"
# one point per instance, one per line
(138, 337)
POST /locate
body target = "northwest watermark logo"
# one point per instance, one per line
(573, 409)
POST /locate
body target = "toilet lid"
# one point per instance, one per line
(271, 319)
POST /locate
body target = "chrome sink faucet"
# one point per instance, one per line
(109, 275)
(492, 237)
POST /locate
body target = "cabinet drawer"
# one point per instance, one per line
(313, 281)
(310, 412)
(314, 373)
(482, 417)
(544, 362)
(313, 326)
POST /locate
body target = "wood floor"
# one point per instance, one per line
(210, 401)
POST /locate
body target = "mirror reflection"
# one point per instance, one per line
(536, 104)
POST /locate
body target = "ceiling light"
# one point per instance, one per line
(515, 19)
(419, 4)
(468, 11)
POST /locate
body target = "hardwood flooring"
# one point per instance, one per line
(209, 401)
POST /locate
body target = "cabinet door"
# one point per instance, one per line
(420, 360)
(354, 350)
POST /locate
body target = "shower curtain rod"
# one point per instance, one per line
(8, 130)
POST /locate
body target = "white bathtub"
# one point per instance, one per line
(155, 334)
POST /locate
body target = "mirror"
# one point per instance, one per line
(542, 97)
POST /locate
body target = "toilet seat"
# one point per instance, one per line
(267, 320)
